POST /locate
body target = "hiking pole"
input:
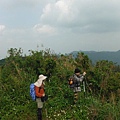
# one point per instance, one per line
(84, 89)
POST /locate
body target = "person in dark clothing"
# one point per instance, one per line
(78, 78)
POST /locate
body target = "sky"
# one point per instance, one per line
(62, 26)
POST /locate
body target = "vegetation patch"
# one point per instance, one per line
(100, 101)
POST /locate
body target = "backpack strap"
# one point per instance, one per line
(41, 87)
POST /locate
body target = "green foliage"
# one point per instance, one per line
(100, 102)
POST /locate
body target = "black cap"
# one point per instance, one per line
(77, 70)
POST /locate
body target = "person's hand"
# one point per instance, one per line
(84, 73)
(43, 94)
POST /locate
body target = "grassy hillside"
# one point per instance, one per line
(100, 101)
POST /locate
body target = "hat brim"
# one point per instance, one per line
(38, 83)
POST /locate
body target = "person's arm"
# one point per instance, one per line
(82, 76)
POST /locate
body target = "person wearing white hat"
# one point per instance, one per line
(40, 92)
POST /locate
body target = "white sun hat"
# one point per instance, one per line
(38, 83)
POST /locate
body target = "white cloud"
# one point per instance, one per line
(44, 29)
(2, 28)
(57, 12)
(99, 15)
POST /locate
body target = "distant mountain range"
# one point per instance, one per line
(103, 55)
(95, 56)
(2, 61)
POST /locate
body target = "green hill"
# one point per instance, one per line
(103, 55)
(99, 98)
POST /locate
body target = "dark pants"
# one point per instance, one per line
(39, 113)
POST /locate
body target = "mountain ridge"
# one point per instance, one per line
(95, 56)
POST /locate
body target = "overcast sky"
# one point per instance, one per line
(61, 25)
